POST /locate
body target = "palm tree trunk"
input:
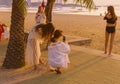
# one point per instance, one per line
(48, 10)
(15, 50)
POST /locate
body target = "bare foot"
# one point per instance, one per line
(109, 55)
(105, 52)
(41, 61)
(36, 67)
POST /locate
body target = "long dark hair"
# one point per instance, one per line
(57, 34)
(47, 30)
(112, 11)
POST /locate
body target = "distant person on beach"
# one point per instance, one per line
(1, 31)
(111, 19)
(39, 32)
(40, 17)
(6, 31)
(58, 52)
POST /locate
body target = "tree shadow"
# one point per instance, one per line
(53, 78)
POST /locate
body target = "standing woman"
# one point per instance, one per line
(41, 32)
(6, 31)
(40, 17)
(111, 19)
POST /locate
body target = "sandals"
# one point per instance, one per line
(58, 71)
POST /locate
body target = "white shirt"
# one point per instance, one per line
(40, 18)
(57, 54)
(6, 32)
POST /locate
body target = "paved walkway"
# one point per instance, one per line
(88, 66)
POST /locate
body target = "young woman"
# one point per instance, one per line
(57, 52)
(111, 19)
(40, 17)
(41, 32)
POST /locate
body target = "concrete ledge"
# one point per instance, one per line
(72, 40)
(78, 40)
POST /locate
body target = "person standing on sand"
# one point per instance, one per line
(6, 31)
(40, 32)
(111, 19)
(58, 52)
(40, 17)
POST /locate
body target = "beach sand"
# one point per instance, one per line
(88, 66)
(76, 25)
(85, 67)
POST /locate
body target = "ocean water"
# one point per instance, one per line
(101, 10)
(72, 10)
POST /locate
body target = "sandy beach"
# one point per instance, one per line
(75, 25)
(88, 64)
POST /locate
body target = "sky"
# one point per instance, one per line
(107, 2)
(97, 2)
(104, 2)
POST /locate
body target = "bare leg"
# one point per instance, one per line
(106, 41)
(111, 42)
(51, 68)
(36, 67)
(40, 61)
